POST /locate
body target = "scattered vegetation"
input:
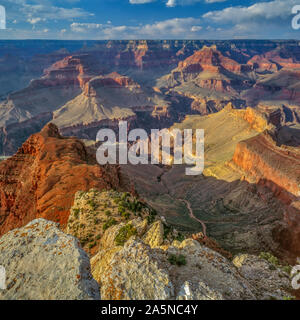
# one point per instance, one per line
(289, 298)
(167, 230)
(92, 245)
(95, 211)
(180, 237)
(124, 234)
(110, 222)
(274, 262)
(76, 212)
(178, 260)
(93, 204)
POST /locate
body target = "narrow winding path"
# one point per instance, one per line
(188, 205)
(186, 202)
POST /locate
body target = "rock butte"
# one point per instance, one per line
(41, 179)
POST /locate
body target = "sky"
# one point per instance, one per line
(149, 19)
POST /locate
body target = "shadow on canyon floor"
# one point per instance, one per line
(242, 217)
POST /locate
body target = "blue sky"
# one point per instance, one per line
(149, 19)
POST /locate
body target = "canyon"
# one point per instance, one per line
(243, 93)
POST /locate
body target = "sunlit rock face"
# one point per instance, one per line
(41, 179)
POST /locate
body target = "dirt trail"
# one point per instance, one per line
(193, 216)
(186, 202)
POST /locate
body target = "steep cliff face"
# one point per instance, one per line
(209, 69)
(273, 60)
(277, 169)
(73, 70)
(210, 59)
(107, 99)
(41, 179)
(277, 89)
(261, 63)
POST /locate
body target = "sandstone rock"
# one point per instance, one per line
(155, 236)
(270, 282)
(196, 290)
(96, 218)
(41, 179)
(43, 263)
(138, 272)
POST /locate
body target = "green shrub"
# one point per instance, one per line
(126, 215)
(167, 230)
(177, 260)
(274, 262)
(110, 222)
(96, 221)
(180, 237)
(289, 298)
(93, 204)
(108, 213)
(76, 212)
(92, 245)
(124, 234)
(270, 258)
(287, 269)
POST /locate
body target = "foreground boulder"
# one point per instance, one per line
(43, 263)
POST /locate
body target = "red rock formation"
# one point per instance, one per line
(113, 80)
(277, 169)
(211, 60)
(208, 68)
(72, 70)
(262, 63)
(40, 180)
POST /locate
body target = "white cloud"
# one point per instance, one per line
(174, 3)
(196, 28)
(83, 27)
(258, 12)
(261, 20)
(171, 28)
(140, 1)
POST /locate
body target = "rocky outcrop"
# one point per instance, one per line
(210, 70)
(138, 272)
(268, 281)
(211, 60)
(275, 168)
(41, 179)
(74, 70)
(43, 263)
(280, 57)
(113, 80)
(94, 211)
(155, 236)
(260, 63)
(265, 162)
(183, 271)
(277, 89)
